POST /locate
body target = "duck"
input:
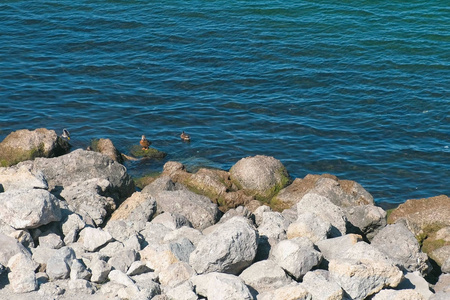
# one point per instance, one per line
(185, 137)
(65, 134)
(145, 143)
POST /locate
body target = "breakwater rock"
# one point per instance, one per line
(74, 227)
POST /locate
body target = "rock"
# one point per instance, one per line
(259, 213)
(423, 216)
(94, 238)
(22, 261)
(234, 243)
(238, 211)
(192, 234)
(111, 249)
(196, 208)
(100, 271)
(157, 257)
(443, 234)
(80, 166)
(336, 247)
(120, 230)
(23, 236)
(443, 284)
(264, 276)
(272, 230)
(78, 270)
(58, 266)
(120, 278)
(71, 227)
(150, 153)
(321, 286)
(9, 248)
(24, 145)
(441, 255)
(51, 289)
(326, 210)
(293, 291)
(21, 178)
(260, 175)
(172, 220)
(106, 147)
(122, 260)
(415, 281)
(445, 268)
(296, 256)
(219, 286)
(139, 209)
(175, 274)
(182, 248)
(137, 268)
(362, 278)
(154, 234)
(398, 295)
(366, 219)
(28, 208)
(343, 193)
(81, 286)
(398, 243)
(160, 184)
(22, 281)
(51, 240)
(212, 183)
(309, 225)
(184, 291)
(86, 199)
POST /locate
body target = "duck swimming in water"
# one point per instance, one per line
(185, 137)
(66, 134)
(145, 143)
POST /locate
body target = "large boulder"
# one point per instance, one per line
(17, 178)
(343, 193)
(28, 208)
(24, 145)
(234, 242)
(398, 243)
(198, 209)
(80, 166)
(260, 175)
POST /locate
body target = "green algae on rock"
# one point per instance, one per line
(137, 151)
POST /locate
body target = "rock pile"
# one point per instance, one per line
(74, 227)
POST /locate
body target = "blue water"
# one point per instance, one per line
(359, 89)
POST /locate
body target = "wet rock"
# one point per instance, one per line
(264, 276)
(366, 219)
(94, 238)
(21, 178)
(398, 243)
(326, 210)
(150, 153)
(196, 208)
(292, 291)
(221, 286)
(29, 208)
(296, 256)
(24, 145)
(139, 208)
(309, 225)
(235, 243)
(259, 175)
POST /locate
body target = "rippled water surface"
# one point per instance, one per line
(359, 89)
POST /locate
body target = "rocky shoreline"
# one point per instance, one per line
(73, 225)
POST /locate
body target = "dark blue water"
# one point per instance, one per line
(359, 89)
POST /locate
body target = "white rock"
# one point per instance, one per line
(51, 240)
(264, 276)
(192, 234)
(220, 286)
(184, 291)
(172, 220)
(22, 281)
(138, 267)
(78, 270)
(9, 248)
(175, 274)
(120, 278)
(81, 286)
(100, 271)
(321, 287)
(309, 225)
(22, 178)
(123, 260)
(94, 238)
(293, 291)
(58, 265)
(398, 295)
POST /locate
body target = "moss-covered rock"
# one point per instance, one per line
(106, 146)
(25, 145)
(153, 153)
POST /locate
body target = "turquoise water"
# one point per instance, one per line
(359, 89)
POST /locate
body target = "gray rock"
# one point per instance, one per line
(81, 165)
(326, 210)
(291, 291)
(121, 230)
(87, 199)
(441, 256)
(336, 247)
(22, 281)
(238, 211)
(184, 291)
(415, 281)
(398, 295)
(21, 178)
(111, 249)
(192, 234)
(162, 183)
(260, 175)
(321, 286)
(158, 257)
(100, 271)
(219, 286)
(272, 230)
(94, 238)
(58, 266)
(154, 233)
(137, 268)
(22, 261)
(175, 274)
(446, 266)
(71, 226)
(23, 236)
(264, 276)
(106, 147)
(362, 278)
(138, 209)
(120, 278)
(182, 248)
(400, 244)
(51, 240)
(309, 225)
(81, 286)
(49, 290)
(78, 270)
(366, 219)
(9, 248)
(122, 260)
(29, 208)
(199, 210)
(172, 220)
(296, 256)
(259, 212)
(234, 243)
